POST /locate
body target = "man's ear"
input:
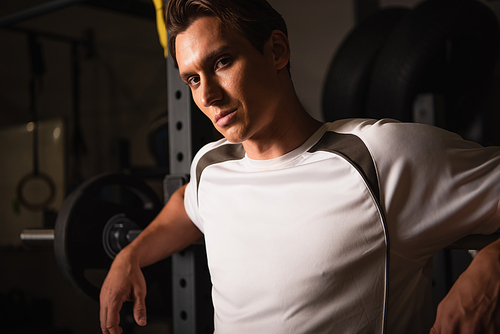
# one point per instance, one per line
(280, 49)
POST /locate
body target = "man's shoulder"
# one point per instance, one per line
(216, 152)
(387, 136)
(391, 142)
(366, 128)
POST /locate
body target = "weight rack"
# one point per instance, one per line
(189, 129)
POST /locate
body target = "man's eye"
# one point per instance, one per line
(193, 81)
(222, 62)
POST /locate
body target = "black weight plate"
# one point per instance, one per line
(444, 47)
(348, 77)
(80, 223)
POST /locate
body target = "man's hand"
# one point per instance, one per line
(472, 304)
(124, 282)
(170, 232)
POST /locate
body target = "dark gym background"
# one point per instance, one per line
(122, 98)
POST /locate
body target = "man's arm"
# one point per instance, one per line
(473, 304)
(170, 232)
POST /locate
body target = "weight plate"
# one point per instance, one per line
(80, 224)
(444, 47)
(347, 81)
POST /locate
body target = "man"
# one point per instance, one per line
(311, 227)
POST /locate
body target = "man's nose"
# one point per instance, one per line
(211, 92)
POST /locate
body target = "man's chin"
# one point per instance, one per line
(232, 138)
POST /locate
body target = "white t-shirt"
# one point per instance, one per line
(325, 239)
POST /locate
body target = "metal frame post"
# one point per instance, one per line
(192, 307)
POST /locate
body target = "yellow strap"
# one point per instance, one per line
(160, 25)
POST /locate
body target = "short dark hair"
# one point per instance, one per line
(254, 19)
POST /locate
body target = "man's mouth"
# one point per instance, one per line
(224, 117)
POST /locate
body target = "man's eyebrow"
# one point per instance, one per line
(208, 58)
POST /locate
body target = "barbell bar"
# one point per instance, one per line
(117, 238)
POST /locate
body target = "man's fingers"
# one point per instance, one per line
(140, 313)
(123, 283)
(103, 318)
(433, 331)
(110, 316)
(140, 308)
(114, 316)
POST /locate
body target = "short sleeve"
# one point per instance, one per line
(435, 187)
(190, 204)
(191, 194)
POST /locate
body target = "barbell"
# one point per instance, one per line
(96, 221)
(116, 235)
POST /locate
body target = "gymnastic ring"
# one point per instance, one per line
(348, 77)
(42, 204)
(420, 44)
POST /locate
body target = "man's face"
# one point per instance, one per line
(231, 82)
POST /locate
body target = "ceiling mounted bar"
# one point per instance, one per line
(131, 7)
(48, 35)
(35, 11)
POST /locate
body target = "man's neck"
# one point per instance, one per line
(287, 133)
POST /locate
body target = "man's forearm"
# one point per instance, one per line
(170, 232)
(472, 305)
(492, 249)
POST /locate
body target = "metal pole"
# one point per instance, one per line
(38, 238)
(36, 11)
